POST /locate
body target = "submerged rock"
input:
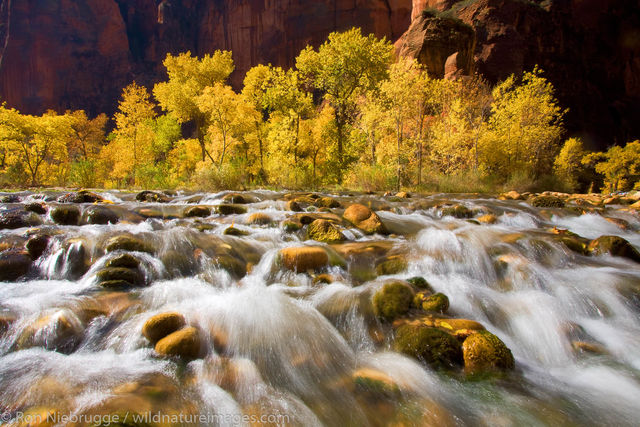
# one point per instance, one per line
(161, 325)
(432, 346)
(457, 211)
(100, 215)
(112, 277)
(61, 331)
(36, 207)
(236, 198)
(303, 258)
(230, 209)
(36, 245)
(127, 242)
(123, 260)
(614, 245)
(365, 219)
(197, 211)
(234, 231)
(259, 218)
(393, 265)
(374, 384)
(484, 352)
(392, 300)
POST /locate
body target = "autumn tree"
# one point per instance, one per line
(131, 144)
(189, 76)
(568, 165)
(87, 139)
(347, 65)
(620, 166)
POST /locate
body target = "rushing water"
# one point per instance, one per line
(281, 346)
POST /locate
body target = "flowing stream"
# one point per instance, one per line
(282, 347)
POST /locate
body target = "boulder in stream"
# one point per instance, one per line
(322, 230)
(259, 218)
(484, 352)
(230, 209)
(614, 245)
(127, 242)
(303, 258)
(430, 345)
(36, 245)
(438, 303)
(152, 196)
(82, 196)
(65, 215)
(547, 201)
(197, 211)
(100, 215)
(365, 219)
(14, 264)
(18, 218)
(184, 343)
(161, 325)
(392, 300)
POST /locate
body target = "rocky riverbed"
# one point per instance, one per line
(272, 308)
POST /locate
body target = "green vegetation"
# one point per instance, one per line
(346, 116)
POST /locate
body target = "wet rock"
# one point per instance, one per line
(403, 195)
(457, 211)
(438, 303)
(420, 283)
(460, 328)
(100, 215)
(259, 218)
(365, 219)
(392, 300)
(197, 211)
(588, 347)
(74, 259)
(111, 276)
(124, 261)
(327, 202)
(230, 209)
(484, 352)
(161, 325)
(392, 265)
(14, 264)
(324, 279)
(61, 331)
(487, 219)
(18, 218)
(126, 242)
(184, 343)
(615, 246)
(179, 263)
(6, 320)
(432, 346)
(65, 215)
(374, 384)
(36, 245)
(303, 258)
(10, 198)
(511, 195)
(322, 230)
(294, 206)
(152, 196)
(232, 265)
(547, 201)
(235, 198)
(233, 231)
(36, 207)
(82, 196)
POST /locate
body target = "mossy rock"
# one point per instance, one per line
(392, 300)
(484, 352)
(392, 265)
(420, 283)
(303, 258)
(197, 211)
(231, 265)
(432, 346)
(18, 218)
(327, 202)
(129, 275)
(14, 264)
(293, 206)
(544, 201)
(161, 325)
(322, 230)
(365, 219)
(234, 231)
(100, 215)
(615, 246)
(372, 383)
(36, 207)
(235, 198)
(82, 196)
(123, 260)
(152, 196)
(438, 303)
(37, 245)
(184, 343)
(259, 218)
(128, 243)
(230, 209)
(574, 243)
(291, 226)
(65, 215)
(457, 211)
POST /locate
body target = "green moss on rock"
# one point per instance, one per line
(392, 300)
(322, 230)
(429, 345)
(484, 352)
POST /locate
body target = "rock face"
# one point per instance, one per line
(590, 51)
(76, 54)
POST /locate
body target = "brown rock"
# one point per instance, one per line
(365, 219)
(303, 258)
(184, 343)
(161, 325)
